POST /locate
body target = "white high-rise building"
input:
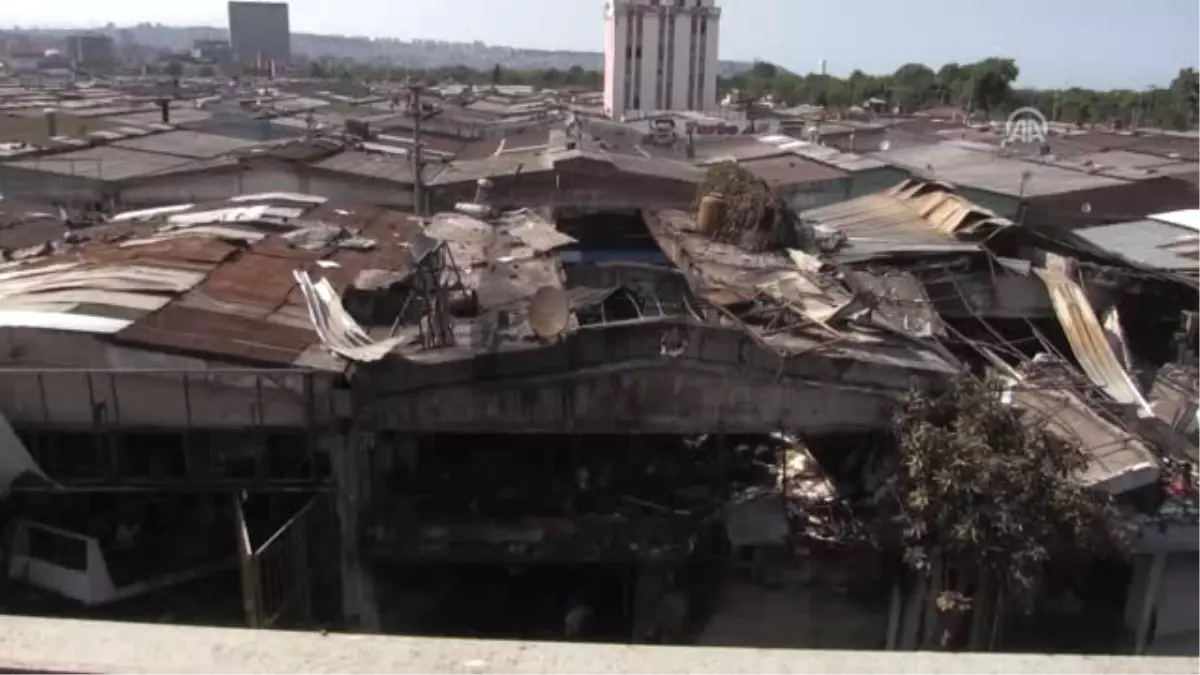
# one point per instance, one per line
(660, 55)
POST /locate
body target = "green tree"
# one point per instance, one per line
(764, 70)
(952, 84)
(551, 77)
(1186, 88)
(991, 83)
(986, 497)
(912, 84)
(837, 94)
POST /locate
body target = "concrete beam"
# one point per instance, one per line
(673, 398)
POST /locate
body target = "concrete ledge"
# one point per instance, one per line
(50, 645)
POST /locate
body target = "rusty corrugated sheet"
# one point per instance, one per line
(253, 279)
(217, 335)
(183, 252)
(1088, 340)
(911, 213)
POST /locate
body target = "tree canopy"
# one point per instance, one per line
(497, 75)
(984, 493)
(986, 86)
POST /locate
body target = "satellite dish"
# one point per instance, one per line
(1086, 208)
(884, 146)
(549, 311)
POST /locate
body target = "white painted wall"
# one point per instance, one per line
(680, 66)
(689, 62)
(709, 99)
(614, 67)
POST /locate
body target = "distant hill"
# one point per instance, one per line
(410, 53)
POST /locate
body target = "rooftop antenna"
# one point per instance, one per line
(549, 312)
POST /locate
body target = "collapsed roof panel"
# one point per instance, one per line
(180, 329)
(913, 218)
(1118, 461)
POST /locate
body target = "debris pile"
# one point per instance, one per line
(755, 218)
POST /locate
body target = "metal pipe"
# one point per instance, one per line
(418, 187)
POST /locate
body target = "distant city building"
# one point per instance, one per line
(218, 52)
(259, 33)
(24, 62)
(91, 51)
(660, 55)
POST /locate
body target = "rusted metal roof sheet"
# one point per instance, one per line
(351, 263)
(214, 334)
(914, 217)
(254, 279)
(187, 252)
(1089, 341)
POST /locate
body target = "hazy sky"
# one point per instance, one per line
(1090, 43)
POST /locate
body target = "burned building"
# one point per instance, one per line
(442, 425)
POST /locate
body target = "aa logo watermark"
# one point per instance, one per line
(1026, 125)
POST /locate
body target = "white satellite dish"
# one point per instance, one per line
(1086, 208)
(884, 146)
(549, 311)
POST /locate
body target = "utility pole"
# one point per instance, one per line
(418, 189)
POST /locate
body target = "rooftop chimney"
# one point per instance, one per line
(165, 106)
(51, 123)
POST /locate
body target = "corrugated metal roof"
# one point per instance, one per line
(280, 196)
(383, 167)
(179, 115)
(100, 163)
(229, 214)
(192, 144)
(62, 321)
(847, 161)
(736, 149)
(980, 166)
(254, 279)
(913, 217)
(1147, 242)
(508, 164)
(1089, 341)
(644, 166)
(791, 170)
(337, 329)
(197, 331)
(1189, 218)
(132, 278)
(1117, 461)
(148, 214)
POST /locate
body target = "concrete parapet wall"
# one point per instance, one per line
(50, 645)
(617, 377)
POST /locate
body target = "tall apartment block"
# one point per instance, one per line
(259, 33)
(660, 55)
